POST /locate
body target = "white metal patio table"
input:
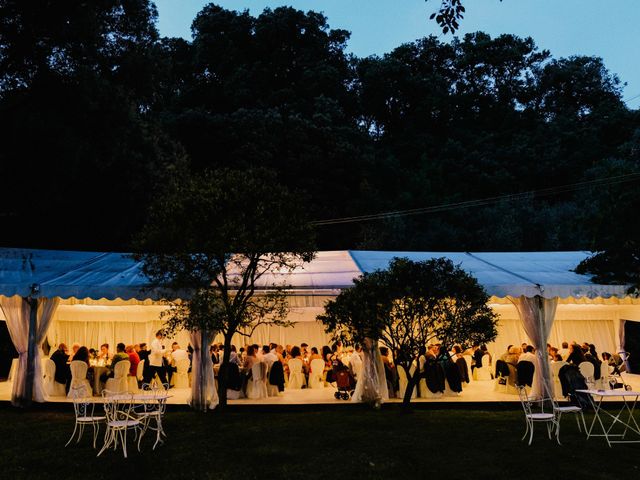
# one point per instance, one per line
(622, 417)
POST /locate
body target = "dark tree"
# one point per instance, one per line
(410, 305)
(209, 240)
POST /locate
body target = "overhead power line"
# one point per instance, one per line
(601, 182)
(632, 98)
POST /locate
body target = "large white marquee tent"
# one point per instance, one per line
(95, 298)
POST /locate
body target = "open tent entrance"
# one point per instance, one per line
(632, 345)
(7, 351)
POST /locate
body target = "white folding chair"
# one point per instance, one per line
(119, 381)
(588, 371)
(83, 407)
(316, 373)
(120, 418)
(257, 387)
(531, 417)
(80, 386)
(296, 377)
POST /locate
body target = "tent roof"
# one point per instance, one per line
(98, 275)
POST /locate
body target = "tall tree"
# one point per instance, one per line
(213, 239)
(77, 79)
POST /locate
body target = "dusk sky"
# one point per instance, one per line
(608, 29)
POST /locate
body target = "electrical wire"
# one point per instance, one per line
(601, 182)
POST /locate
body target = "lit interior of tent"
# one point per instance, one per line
(104, 298)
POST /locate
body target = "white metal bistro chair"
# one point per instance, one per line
(151, 412)
(567, 409)
(120, 418)
(531, 417)
(83, 407)
(315, 374)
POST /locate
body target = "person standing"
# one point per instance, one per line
(156, 360)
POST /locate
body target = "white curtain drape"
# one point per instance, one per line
(204, 395)
(537, 315)
(17, 312)
(371, 387)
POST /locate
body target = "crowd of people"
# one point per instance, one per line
(279, 363)
(158, 360)
(437, 369)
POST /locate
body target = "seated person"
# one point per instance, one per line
(314, 355)
(134, 358)
(576, 356)
(120, 355)
(104, 354)
(61, 358)
(215, 355)
(389, 371)
(82, 355)
(528, 355)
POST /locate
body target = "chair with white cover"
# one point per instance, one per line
(83, 407)
(296, 377)
(315, 373)
(181, 377)
(555, 370)
(120, 418)
(403, 382)
(532, 417)
(80, 386)
(51, 387)
(140, 370)
(483, 373)
(132, 384)
(257, 387)
(119, 381)
(588, 371)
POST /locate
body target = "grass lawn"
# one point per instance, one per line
(343, 442)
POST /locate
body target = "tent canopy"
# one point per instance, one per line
(98, 275)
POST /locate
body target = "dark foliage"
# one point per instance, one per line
(97, 113)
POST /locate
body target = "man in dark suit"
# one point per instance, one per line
(60, 357)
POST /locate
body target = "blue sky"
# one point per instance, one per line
(606, 28)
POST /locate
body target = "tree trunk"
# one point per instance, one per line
(200, 400)
(223, 373)
(413, 381)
